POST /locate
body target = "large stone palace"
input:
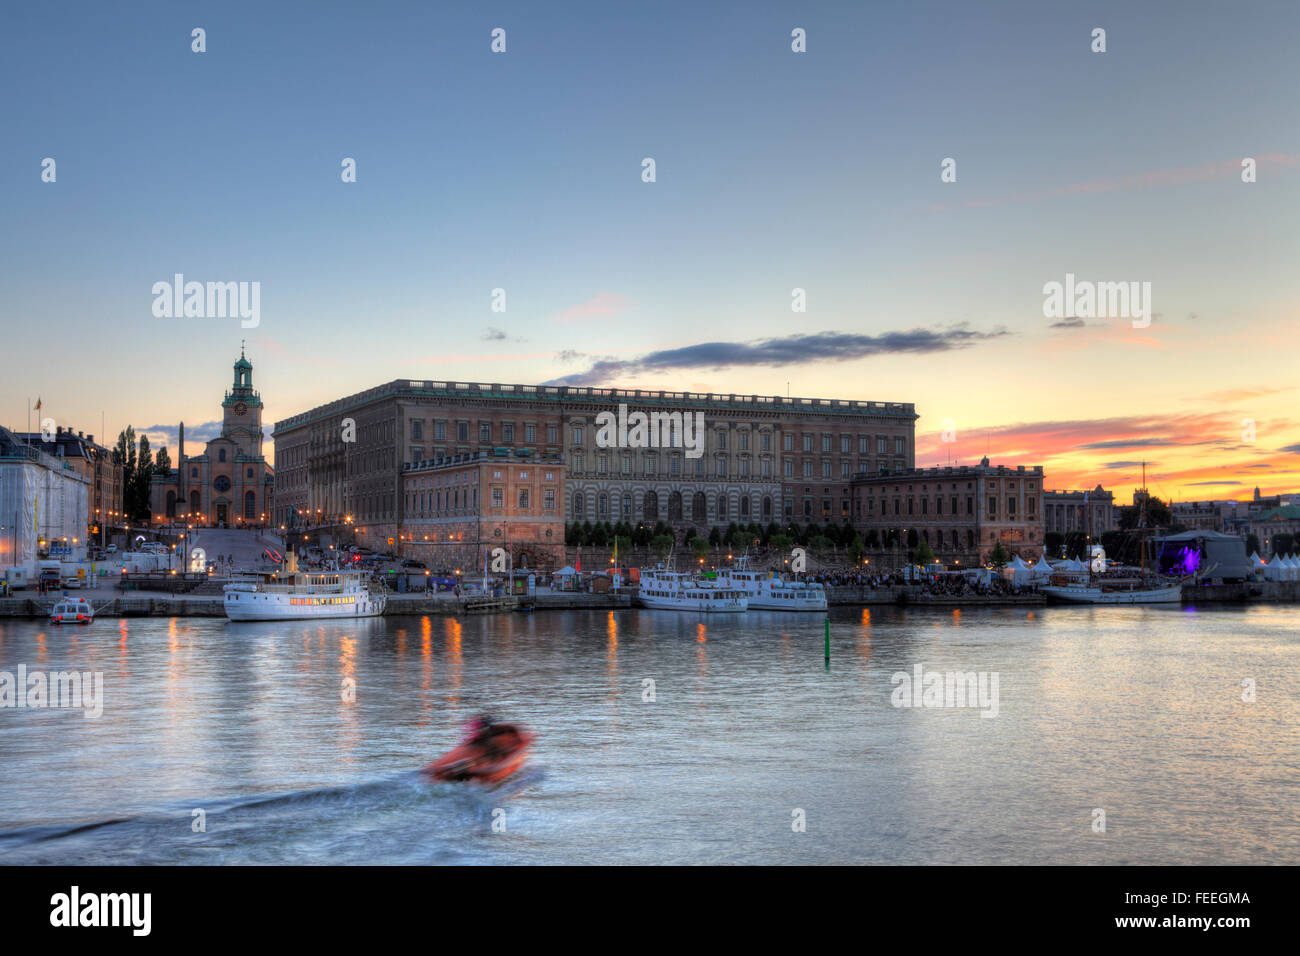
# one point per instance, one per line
(760, 458)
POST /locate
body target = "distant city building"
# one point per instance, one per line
(1266, 525)
(459, 508)
(1092, 512)
(93, 462)
(760, 458)
(43, 505)
(230, 484)
(962, 512)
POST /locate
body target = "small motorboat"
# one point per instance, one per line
(491, 755)
(72, 611)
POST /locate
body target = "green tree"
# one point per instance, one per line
(998, 557)
(856, 548)
(1252, 544)
(1283, 543)
(1053, 541)
(660, 545)
(923, 554)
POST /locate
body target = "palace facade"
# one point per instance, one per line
(761, 458)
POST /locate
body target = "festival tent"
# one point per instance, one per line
(1292, 567)
(1255, 560)
(1021, 573)
(1274, 570)
(1042, 569)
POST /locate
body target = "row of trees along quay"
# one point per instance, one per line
(831, 542)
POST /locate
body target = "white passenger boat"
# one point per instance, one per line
(72, 611)
(767, 592)
(673, 591)
(1081, 593)
(293, 595)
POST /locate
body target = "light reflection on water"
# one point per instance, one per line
(1137, 711)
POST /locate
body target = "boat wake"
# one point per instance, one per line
(403, 818)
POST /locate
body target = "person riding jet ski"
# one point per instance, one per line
(488, 751)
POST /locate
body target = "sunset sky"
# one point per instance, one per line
(775, 170)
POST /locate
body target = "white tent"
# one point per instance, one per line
(565, 572)
(1020, 572)
(1042, 569)
(1255, 560)
(1292, 567)
(1275, 570)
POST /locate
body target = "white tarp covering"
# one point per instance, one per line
(39, 498)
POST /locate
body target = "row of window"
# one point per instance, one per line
(721, 467)
(508, 433)
(807, 441)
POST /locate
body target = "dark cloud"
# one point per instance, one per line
(1290, 449)
(1074, 322)
(494, 335)
(1128, 443)
(193, 433)
(780, 352)
(1127, 464)
(1214, 482)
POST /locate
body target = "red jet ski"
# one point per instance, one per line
(489, 753)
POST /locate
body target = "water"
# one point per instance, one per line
(1136, 711)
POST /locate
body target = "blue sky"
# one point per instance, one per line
(775, 170)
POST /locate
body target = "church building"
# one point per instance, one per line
(229, 485)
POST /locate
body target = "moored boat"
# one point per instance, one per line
(1080, 593)
(766, 591)
(294, 595)
(666, 590)
(72, 611)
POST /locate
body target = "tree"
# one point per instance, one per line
(998, 557)
(780, 542)
(821, 544)
(856, 548)
(873, 539)
(1283, 543)
(162, 463)
(700, 546)
(1252, 543)
(661, 544)
(1076, 545)
(923, 553)
(1158, 515)
(715, 536)
(1053, 541)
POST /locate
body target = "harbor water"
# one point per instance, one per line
(1125, 735)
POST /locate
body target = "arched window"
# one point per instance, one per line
(722, 507)
(602, 506)
(171, 504)
(744, 507)
(627, 507)
(250, 506)
(767, 507)
(250, 473)
(221, 454)
(698, 508)
(194, 502)
(577, 505)
(675, 506)
(651, 506)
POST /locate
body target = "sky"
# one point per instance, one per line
(774, 171)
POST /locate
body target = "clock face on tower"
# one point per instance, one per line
(240, 408)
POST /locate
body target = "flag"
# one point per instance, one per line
(578, 567)
(38, 403)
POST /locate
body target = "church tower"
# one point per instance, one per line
(242, 407)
